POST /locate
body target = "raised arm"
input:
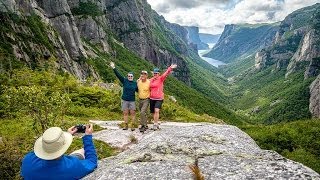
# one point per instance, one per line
(168, 71)
(119, 76)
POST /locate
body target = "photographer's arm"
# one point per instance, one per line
(91, 161)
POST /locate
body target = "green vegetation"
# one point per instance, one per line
(299, 141)
(269, 97)
(87, 9)
(238, 67)
(63, 101)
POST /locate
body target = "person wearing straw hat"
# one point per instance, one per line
(128, 104)
(48, 160)
(156, 93)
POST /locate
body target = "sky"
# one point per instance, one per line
(212, 15)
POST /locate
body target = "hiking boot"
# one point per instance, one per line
(142, 128)
(125, 127)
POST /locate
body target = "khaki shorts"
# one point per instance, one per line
(128, 105)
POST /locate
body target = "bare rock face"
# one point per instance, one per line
(193, 37)
(62, 34)
(296, 44)
(308, 51)
(314, 105)
(7, 6)
(59, 13)
(140, 28)
(261, 59)
(222, 152)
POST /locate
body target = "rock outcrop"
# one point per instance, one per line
(222, 152)
(296, 45)
(240, 41)
(314, 105)
(61, 33)
(194, 38)
(308, 53)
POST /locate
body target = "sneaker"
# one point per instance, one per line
(125, 127)
(155, 127)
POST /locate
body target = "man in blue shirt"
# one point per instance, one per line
(48, 161)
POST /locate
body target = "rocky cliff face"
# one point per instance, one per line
(296, 45)
(314, 105)
(221, 152)
(194, 38)
(238, 41)
(76, 22)
(52, 33)
(297, 49)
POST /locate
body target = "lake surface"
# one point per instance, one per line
(211, 61)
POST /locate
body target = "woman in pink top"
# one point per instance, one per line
(156, 93)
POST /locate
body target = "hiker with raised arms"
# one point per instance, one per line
(48, 161)
(128, 104)
(156, 93)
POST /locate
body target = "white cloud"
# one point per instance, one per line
(212, 15)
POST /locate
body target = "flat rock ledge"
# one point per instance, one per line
(222, 152)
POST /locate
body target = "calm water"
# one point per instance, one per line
(211, 61)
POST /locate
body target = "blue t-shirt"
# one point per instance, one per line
(66, 167)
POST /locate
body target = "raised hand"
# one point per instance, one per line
(173, 66)
(112, 65)
(89, 129)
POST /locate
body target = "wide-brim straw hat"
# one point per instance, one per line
(52, 144)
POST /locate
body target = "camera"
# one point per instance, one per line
(81, 128)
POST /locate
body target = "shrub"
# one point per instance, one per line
(44, 106)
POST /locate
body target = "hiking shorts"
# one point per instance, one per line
(128, 105)
(155, 104)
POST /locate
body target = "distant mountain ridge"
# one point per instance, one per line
(242, 40)
(209, 38)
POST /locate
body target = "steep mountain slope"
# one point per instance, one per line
(296, 49)
(273, 85)
(242, 40)
(82, 37)
(296, 45)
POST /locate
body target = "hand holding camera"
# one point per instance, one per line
(80, 128)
